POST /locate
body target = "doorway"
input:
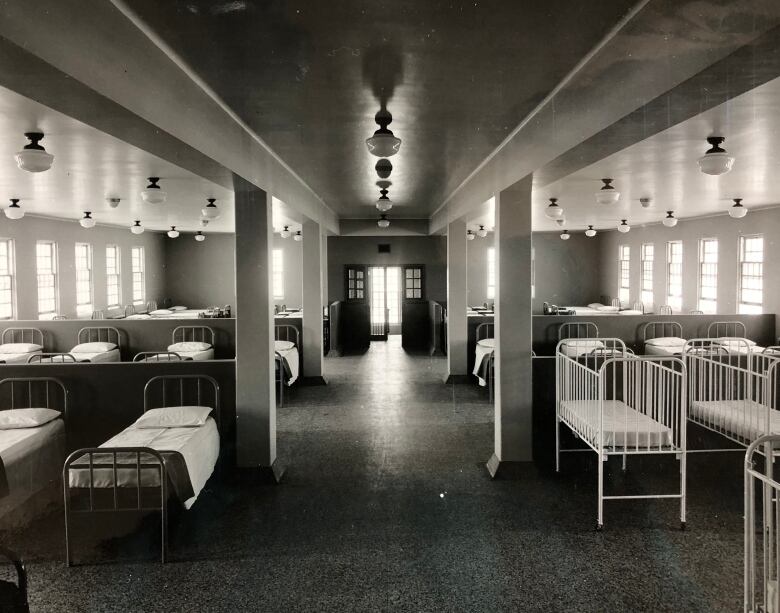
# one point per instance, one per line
(384, 292)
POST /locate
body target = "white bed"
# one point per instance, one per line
(17, 358)
(193, 351)
(98, 344)
(94, 357)
(18, 344)
(577, 347)
(289, 353)
(669, 345)
(747, 419)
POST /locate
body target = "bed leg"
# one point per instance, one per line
(164, 531)
(557, 445)
(600, 519)
(683, 489)
(68, 559)
(624, 462)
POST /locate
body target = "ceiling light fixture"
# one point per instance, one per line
(87, 221)
(607, 194)
(298, 237)
(670, 221)
(560, 222)
(34, 158)
(173, 232)
(470, 236)
(565, 235)
(383, 222)
(553, 211)
(14, 211)
(383, 143)
(645, 202)
(384, 203)
(737, 211)
(153, 194)
(204, 223)
(137, 228)
(113, 202)
(715, 161)
(383, 168)
(590, 232)
(482, 232)
(624, 227)
(210, 211)
(200, 237)
(285, 233)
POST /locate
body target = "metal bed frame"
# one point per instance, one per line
(198, 334)
(284, 330)
(615, 302)
(27, 392)
(129, 310)
(157, 356)
(667, 329)
(726, 329)
(51, 358)
(762, 555)
(489, 330)
(160, 391)
(98, 315)
(578, 329)
(20, 335)
(638, 306)
(665, 309)
(650, 386)
(99, 334)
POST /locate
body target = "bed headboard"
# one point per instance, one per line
(728, 329)
(615, 302)
(99, 334)
(578, 329)
(157, 356)
(22, 335)
(661, 329)
(665, 310)
(182, 390)
(638, 306)
(38, 392)
(198, 334)
(129, 310)
(287, 332)
(485, 330)
(50, 358)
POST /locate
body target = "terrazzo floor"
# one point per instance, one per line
(386, 506)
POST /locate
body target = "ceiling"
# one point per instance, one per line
(308, 77)
(663, 168)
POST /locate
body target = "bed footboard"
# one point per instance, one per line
(98, 472)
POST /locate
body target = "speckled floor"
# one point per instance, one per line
(386, 506)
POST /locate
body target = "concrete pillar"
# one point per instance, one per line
(457, 300)
(513, 330)
(324, 268)
(312, 302)
(255, 394)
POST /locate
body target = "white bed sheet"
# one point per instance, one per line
(483, 349)
(623, 426)
(99, 356)
(293, 360)
(16, 358)
(574, 348)
(745, 419)
(32, 457)
(186, 314)
(198, 446)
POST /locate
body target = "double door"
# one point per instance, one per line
(384, 299)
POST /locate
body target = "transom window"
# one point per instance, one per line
(113, 277)
(751, 274)
(277, 272)
(624, 273)
(355, 283)
(708, 275)
(674, 261)
(647, 274)
(413, 282)
(46, 269)
(491, 273)
(84, 286)
(138, 270)
(7, 280)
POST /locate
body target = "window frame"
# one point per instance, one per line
(414, 283)
(647, 274)
(624, 273)
(705, 304)
(672, 300)
(54, 273)
(141, 273)
(753, 308)
(10, 273)
(85, 308)
(117, 274)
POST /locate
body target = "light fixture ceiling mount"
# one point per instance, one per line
(624, 227)
(383, 143)
(87, 221)
(34, 158)
(173, 232)
(137, 228)
(14, 211)
(210, 211)
(590, 232)
(285, 233)
(153, 194)
(383, 221)
(715, 160)
(384, 203)
(553, 211)
(607, 194)
(737, 211)
(670, 221)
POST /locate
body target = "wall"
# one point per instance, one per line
(25, 232)
(725, 229)
(567, 272)
(428, 250)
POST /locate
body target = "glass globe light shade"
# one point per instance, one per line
(173, 232)
(137, 228)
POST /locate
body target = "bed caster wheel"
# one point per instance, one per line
(599, 527)
(683, 526)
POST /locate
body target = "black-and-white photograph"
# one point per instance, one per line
(404, 306)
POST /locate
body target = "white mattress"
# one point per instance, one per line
(623, 426)
(667, 350)
(292, 358)
(186, 314)
(32, 457)
(198, 446)
(16, 358)
(580, 346)
(99, 356)
(746, 419)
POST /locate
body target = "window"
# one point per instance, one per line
(491, 273)
(355, 283)
(414, 284)
(137, 269)
(277, 271)
(647, 274)
(751, 274)
(674, 257)
(46, 267)
(7, 281)
(624, 273)
(113, 281)
(708, 275)
(84, 291)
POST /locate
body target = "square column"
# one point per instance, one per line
(513, 328)
(312, 302)
(255, 369)
(457, 298)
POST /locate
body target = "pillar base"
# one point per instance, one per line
(261, 475)
(506, 470)
(318, 380)
(457, 379)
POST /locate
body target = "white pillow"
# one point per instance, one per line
(20, 348)
(580, 347)
(283, 345)
(26, 418)
(666, 341)
(736, 342)
(178, 308)
(93, 347)
(174, 417)
(595, 305)
(189, 346)
(609, 309)
(160, 312)
(488, 343)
